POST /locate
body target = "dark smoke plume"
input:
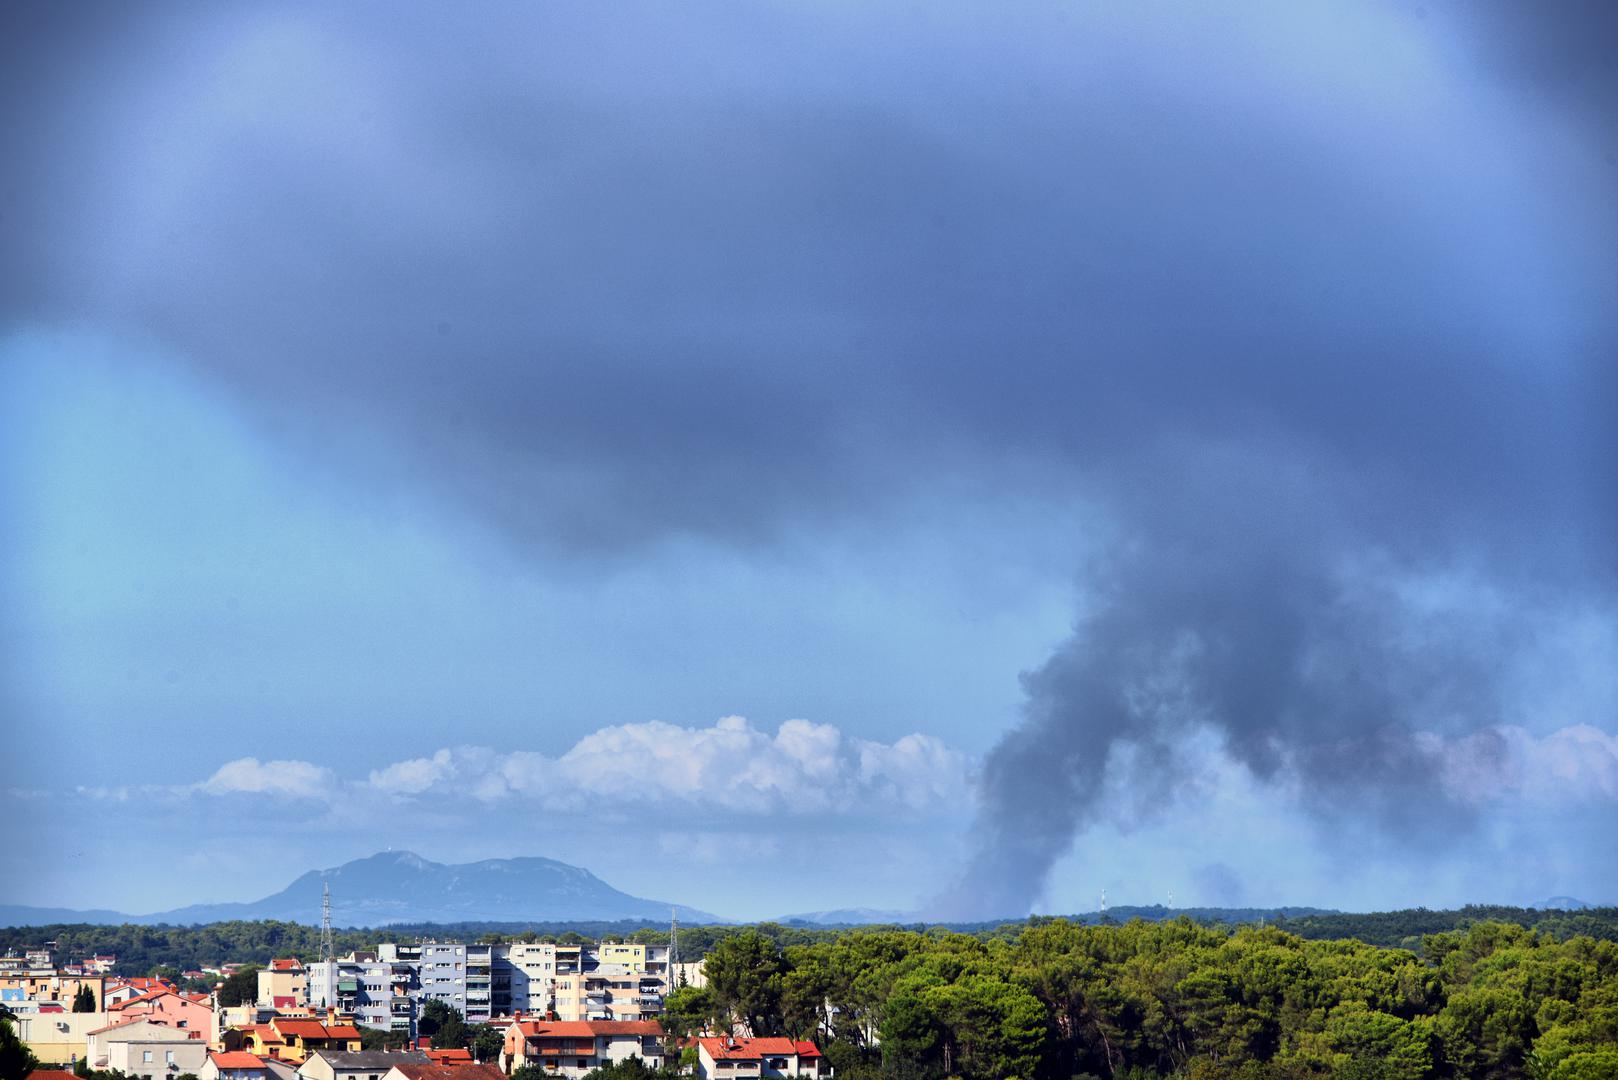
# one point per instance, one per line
(1295, 302)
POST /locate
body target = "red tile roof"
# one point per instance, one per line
(236, 1059)
(451, 1056)
(721, 1049)
(52, 1074)
(314, 1029)
(413, 1071)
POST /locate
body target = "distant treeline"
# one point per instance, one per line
(140, 949)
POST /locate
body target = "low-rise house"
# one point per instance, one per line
(283, 985)
(57, 1038)
(434, 1071)
(449, 1056)
(147, 1048)
(119, 991)
(194, 1012)
(234, 1065)
(357, 1065)
(574, 1047)
(726, 1058)
(293, 1039)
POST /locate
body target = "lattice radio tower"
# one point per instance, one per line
(326, 948)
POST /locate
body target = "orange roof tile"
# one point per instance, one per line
(722, 1049)
(477, 1071)
(451, 1056)
(314, 1029)
(236, 1059)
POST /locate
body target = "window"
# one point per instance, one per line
(145, 1056)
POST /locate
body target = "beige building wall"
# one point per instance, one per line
(57, 1038)
(151, 1058)
(274, 984)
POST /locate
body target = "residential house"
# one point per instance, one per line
(293, 1039)
(434, 1071)
(193, 1012)
(448, 1056)
(726, 1058)
(59, 1037)
(574, 1047)
(122, 990)
(363, 1065)
(234, 1065)
(283, 985)
(147, 1048)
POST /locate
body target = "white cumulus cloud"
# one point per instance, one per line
(730, 767)
(298, 779)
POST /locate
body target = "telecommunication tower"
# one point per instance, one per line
(326, 948)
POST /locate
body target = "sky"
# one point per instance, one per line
(783, 457)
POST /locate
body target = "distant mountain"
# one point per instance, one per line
(19, 915)
(1151, 913)
(402, 887)
(850, 917)
(1563, 903)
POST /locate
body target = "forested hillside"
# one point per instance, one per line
(1063, 1000)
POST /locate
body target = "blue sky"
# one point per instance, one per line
(1165, 451)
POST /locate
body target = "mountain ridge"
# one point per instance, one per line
(403, 887)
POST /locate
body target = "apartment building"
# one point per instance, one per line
(366, 987)
(610, 981)
(479, 983)
(28, 986)
(614, 981)
(441, 974)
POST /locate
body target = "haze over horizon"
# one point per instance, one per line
(787, 458)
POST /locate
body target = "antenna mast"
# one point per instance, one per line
(326, 948)
(674, 944)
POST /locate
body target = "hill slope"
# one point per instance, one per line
(400, 886)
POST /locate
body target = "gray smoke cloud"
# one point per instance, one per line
(1294, 303)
